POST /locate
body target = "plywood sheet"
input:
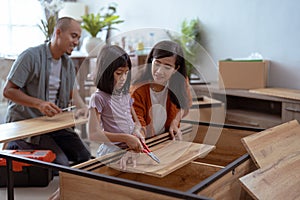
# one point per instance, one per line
(272, 145)
(280, 180)
(37, 126)
(172, 155)
(278, 92)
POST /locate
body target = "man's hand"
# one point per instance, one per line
(49, 109)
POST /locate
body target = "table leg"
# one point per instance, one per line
(10, 180)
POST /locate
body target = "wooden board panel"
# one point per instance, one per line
(228, 143)
(81, 187)
(278, 92)
(206, 101)
(270, 146)
(228, 187)
(280, 180)
(37, 126)
(172, 155)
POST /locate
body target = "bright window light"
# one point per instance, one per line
(19, 29)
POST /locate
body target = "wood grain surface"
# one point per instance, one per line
(278, 92)
(37, 126)
(272, 145)
(280, 180)
(172, 154)
(276, 152)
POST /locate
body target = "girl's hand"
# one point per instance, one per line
(134, 143)
(129, 157)
(137, 132)
(82, 112)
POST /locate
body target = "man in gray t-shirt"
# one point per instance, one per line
(30, 86)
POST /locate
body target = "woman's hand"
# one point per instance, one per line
(174, 130)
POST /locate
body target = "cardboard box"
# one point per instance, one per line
(243, 74)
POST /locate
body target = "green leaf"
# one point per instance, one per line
(188, 39)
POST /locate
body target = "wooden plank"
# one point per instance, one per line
(209, 110)
(278, 92)
(206, 101)
(172, 154)
(80, 187)
(228, 187)
(227, 141)
(272, 145)
(37, 126)
(280, 180)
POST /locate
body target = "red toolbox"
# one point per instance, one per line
(27, 175)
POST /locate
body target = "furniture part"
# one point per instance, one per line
(248, 108)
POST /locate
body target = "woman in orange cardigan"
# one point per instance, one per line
(161, 94)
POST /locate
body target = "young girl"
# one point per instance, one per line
(110, 120)
(162, 96)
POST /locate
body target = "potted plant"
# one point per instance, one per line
(95, 23)
(112, 19)
(189, 39)
(51, 13)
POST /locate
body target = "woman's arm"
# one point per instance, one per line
(174, 126)
(140, 130)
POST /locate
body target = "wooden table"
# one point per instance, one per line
(263, 108)
(37, 126)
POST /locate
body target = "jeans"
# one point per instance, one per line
(66, 145)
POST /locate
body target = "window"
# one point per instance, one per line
(19, 29)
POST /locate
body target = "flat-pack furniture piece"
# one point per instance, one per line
(261, 107)
(38, 126)
(276, 153)
(214, 176)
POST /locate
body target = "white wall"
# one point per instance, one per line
(232, 28)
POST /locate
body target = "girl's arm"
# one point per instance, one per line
(97, 134)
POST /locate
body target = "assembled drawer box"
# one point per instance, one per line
(216, 175)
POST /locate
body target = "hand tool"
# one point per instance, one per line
(68, 108)
(148, 152)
